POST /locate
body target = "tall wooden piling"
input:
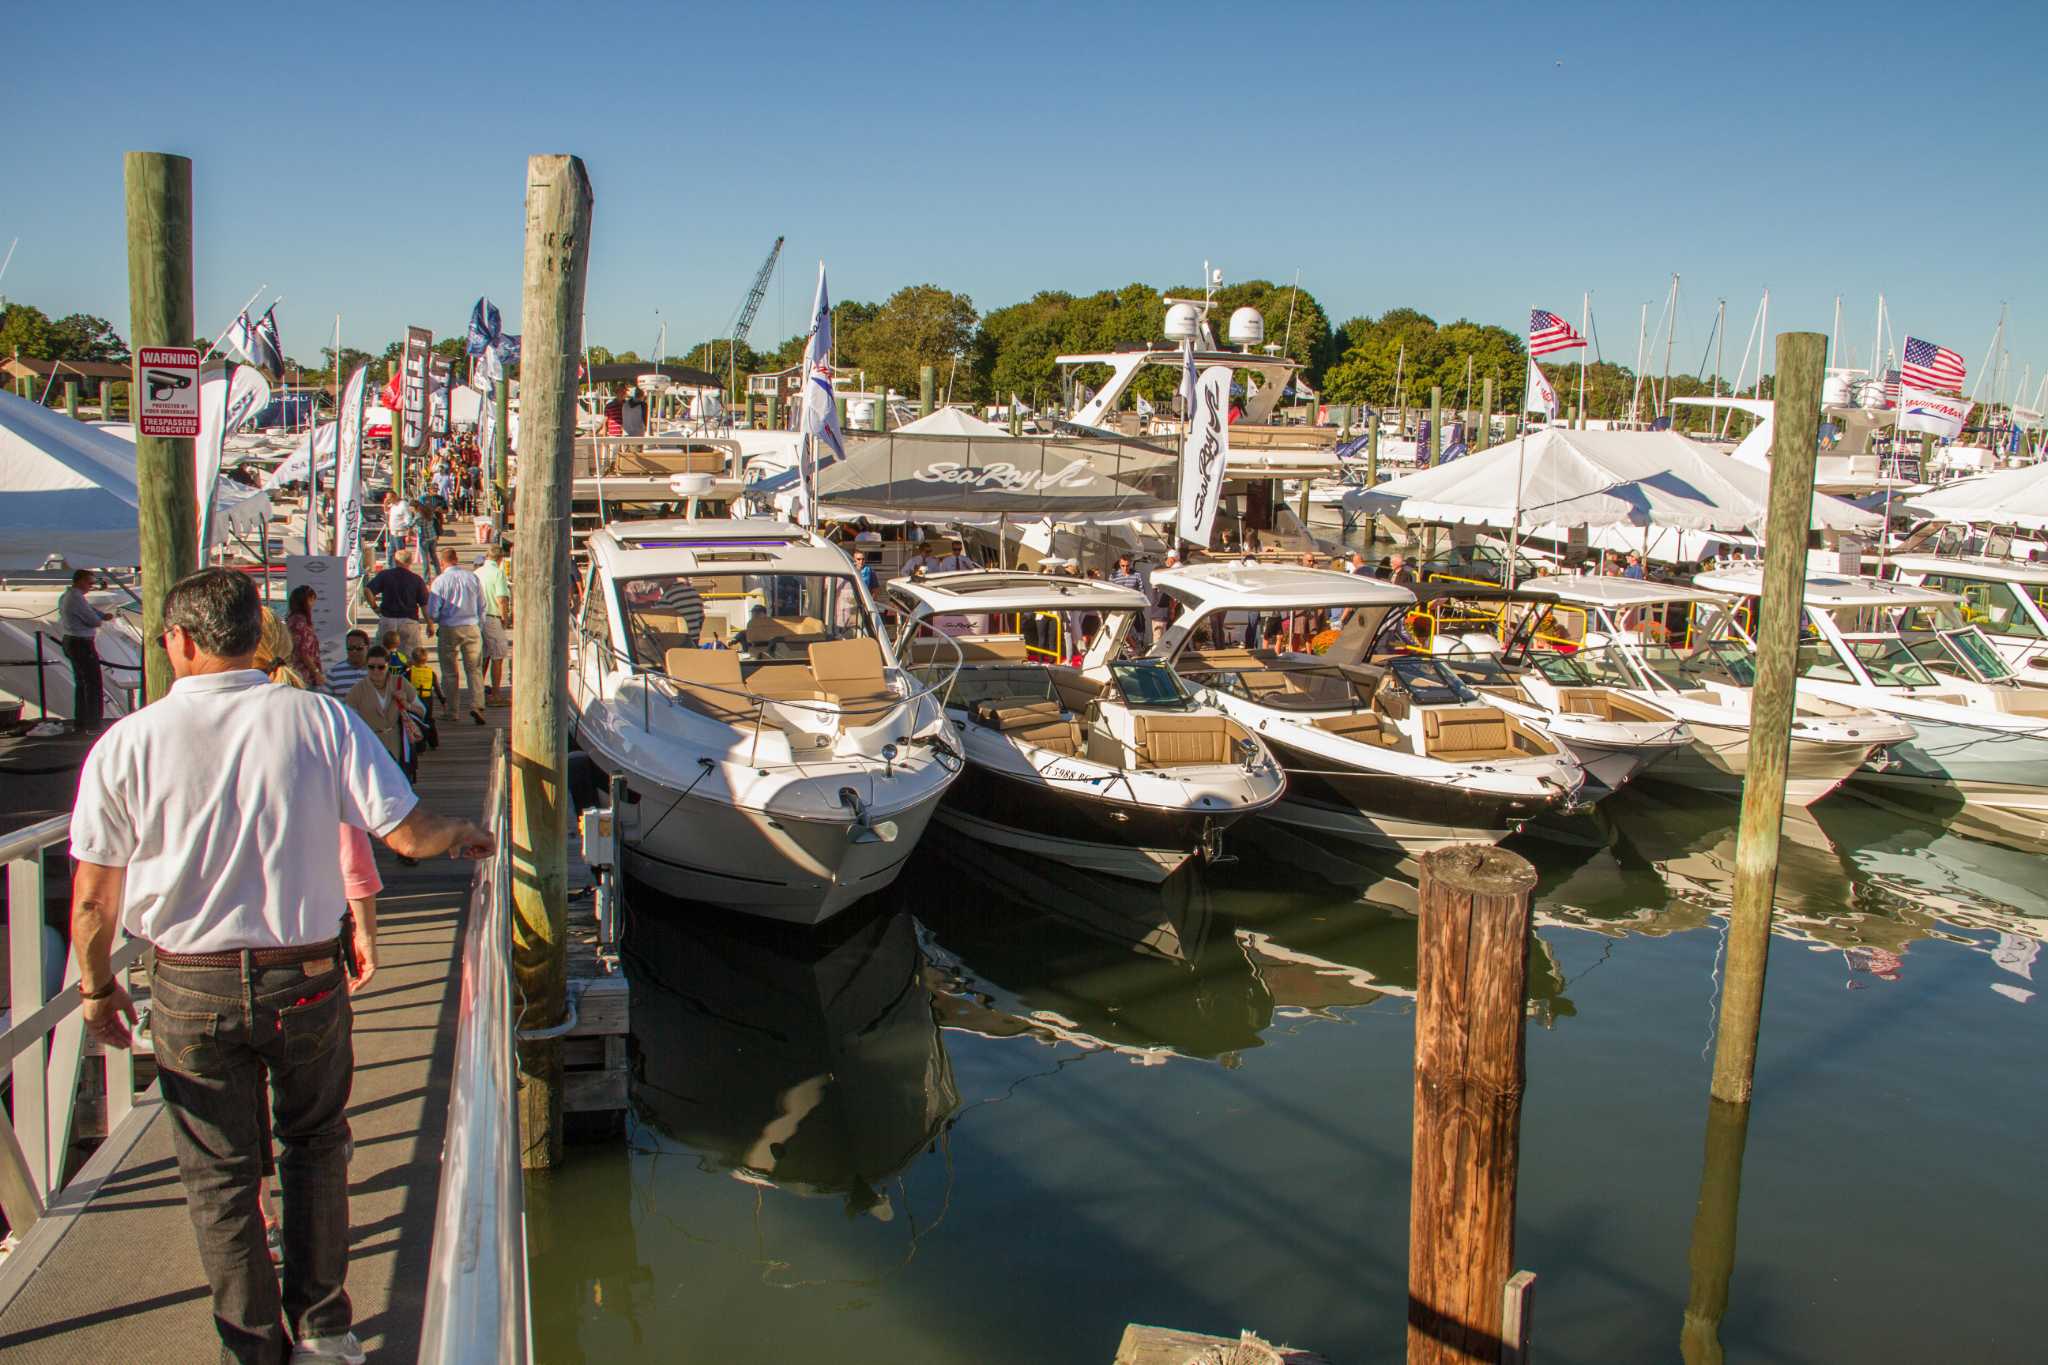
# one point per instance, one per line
(1484, 434)
(1712, 1255)
(158, 190)
(774, 412)
(927, 389)
(558, 214)
(1434, 456)
(1472, 972)
(1801, 358)
(71, 399)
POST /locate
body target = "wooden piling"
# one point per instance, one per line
(774, 412)
(71, 399)
(1484, 435)
(558, 214)
(158, 190)
(1801, 358)
(1472, 970)
(113, 394)
(1434, 456)
(1712, 1255)
(927, 389)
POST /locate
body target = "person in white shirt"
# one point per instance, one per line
(205, 824)
(80, 622)
(455, 606)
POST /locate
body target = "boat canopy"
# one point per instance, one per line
(1617, 593)
(1973, 566)
(1827, 590)
(1561, 477)
(980, 479)
(1258, 587)
(985, 590)
(714, 545)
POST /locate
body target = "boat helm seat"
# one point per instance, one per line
(1362, 727)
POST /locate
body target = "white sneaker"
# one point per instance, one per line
(344, 1348)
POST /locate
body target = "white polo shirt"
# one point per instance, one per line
(222, 801)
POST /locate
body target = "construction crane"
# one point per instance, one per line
(743, 321)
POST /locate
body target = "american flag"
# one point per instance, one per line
(1891, 388)
(1929, 366)
(1548, 332)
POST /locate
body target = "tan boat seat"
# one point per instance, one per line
(1172, 741)
(784, 682)
(850, 672)
(1467, 734)
(1363, 726)
(699, 673)
(1041, 724)
(974, 649)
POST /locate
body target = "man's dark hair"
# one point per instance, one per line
(219, 610)
(354, 635)
(81, 576)
(377, 652)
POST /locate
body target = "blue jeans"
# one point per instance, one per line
(229, 1042)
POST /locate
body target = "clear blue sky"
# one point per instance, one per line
(1469, 160)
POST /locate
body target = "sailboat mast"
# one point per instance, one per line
(1585, 331)
(1642, 334)
(1670, 335)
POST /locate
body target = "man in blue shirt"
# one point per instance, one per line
(455, 606)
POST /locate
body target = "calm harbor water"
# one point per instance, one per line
(1007, 1109)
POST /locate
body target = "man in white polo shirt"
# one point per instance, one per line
(209, 823)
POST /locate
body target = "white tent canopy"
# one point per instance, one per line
(951, 422)
(69, 488)
(1561, 477)
(2011, 497)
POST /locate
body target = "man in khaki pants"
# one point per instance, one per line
(455, 606)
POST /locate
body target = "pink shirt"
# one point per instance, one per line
(358, 865)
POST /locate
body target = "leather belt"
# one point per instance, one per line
(258, 957)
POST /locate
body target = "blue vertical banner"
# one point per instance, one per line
(1422, 435)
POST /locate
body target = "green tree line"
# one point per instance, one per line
(986, 357)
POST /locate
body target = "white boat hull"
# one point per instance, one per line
(1718, 759)
(1132, 862)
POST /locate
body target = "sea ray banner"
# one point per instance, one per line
(206, 451)
(348, 490)
(1934, 413)
(1205, 453)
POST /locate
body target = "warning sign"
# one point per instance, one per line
(167, 389)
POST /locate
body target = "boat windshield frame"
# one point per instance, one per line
(783, 646)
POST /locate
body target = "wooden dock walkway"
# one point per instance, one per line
(112, 1271)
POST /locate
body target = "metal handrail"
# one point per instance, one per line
(44, 1041)
(478, 1307)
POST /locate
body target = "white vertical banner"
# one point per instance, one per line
(206, 451)
(1540, 394)
(348, 478)
(1205, 452)
(820, 423)
(487, 431)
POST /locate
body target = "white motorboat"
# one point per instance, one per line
(776, 758)
(1979, 736)
(1619, 633)
(1393, 752)
(1613, 735)
(1113, 766)
(2001, 597)
(35, 671)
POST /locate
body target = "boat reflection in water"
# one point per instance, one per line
(805, 1059)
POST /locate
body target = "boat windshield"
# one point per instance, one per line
(1428, 681)
(1993, 605)
(1961, 653)
(1720, 661)
(1585, 668)
(1476, 670)
(1149, 685)
(1886, 658)
(763, 616)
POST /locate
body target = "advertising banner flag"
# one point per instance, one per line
(1205, 454)
(412, 386)
(1541, 394)
(348, 482)
(1934, 413)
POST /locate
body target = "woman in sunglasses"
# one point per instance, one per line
(388, 703)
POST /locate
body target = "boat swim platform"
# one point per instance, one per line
(112, 1269)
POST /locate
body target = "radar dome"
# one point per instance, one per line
(1183, 322)
(1247, 327)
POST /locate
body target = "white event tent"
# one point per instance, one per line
(1554, 479)
(2011, 497)
(68, 488)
